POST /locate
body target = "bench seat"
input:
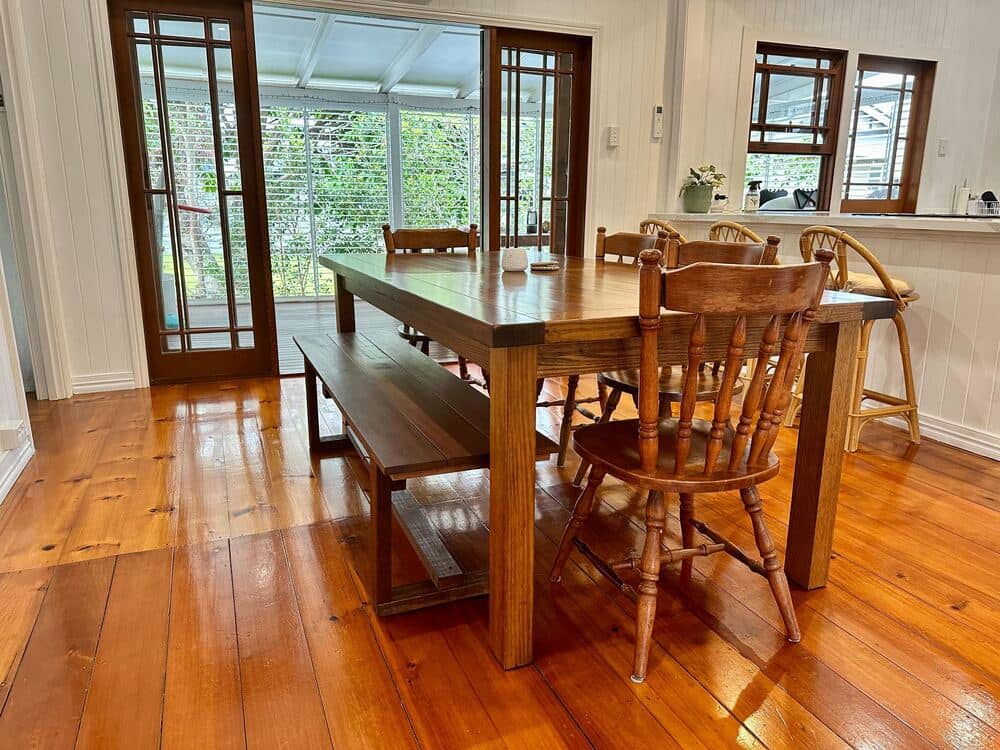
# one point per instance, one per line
(407, 417)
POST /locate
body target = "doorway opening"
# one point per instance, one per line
(365, 121)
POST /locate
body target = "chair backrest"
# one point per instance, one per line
(653, 226)
(730, 231)
(624, 247)
(818, 238)
(680, 253)
(714, 293)
(436, 240)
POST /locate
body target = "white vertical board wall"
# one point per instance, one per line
(960, 34)
(79, 165)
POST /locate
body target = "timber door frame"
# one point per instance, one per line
(494, 39)
(262, 358)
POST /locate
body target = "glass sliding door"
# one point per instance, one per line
(191, 136)
(538, 110)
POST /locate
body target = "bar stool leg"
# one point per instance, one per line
(912, 418)
(855, 420)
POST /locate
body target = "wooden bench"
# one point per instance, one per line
(406, 417)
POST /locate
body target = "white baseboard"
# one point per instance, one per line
(12, 463)
(104, 381)
(950, 433)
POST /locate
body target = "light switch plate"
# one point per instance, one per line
(943, 146)
(614, 136)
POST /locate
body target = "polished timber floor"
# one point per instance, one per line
(176, 572)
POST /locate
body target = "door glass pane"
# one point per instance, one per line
(238, 254)
(196, 186)
(140, 22)
(150, 105)
(227, 118)
(164, 262)
(792, 62)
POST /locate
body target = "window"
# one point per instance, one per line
(328, 177)
(888, 128)
(793, 124)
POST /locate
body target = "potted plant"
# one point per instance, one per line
(698, 188)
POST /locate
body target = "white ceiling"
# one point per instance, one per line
(313, 49)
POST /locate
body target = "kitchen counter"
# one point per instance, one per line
(982, 225)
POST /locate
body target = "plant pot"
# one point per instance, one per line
(697, 199)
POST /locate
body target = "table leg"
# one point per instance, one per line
(344, 301)
(512, 502)
(818, 458)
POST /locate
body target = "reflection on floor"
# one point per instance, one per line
(294, 318)
(177, 571)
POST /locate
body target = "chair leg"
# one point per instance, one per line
(649, 576)
(687, 532)
(911, 392)
(854, 420)
(609, 409)
(566, 427)
(602, 395)
(775, 573)
(581, 512)
(463, 367)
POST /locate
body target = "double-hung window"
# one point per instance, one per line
(793, 124)
(888, 129)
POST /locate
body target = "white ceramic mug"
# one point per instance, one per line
(514, 259)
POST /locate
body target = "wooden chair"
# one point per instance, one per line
(875, 284)
(688, 455)
(730, 231)
(679, 253)
(435, 240)
(654, 226)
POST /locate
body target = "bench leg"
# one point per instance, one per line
(381, 536)
(312, 408)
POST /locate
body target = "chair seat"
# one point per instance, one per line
(671, 383)
(870, 284)
(615, 446)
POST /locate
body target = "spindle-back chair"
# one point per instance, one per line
(678, 253)
(438, 240)
(689, 455)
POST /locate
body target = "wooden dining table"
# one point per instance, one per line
(582, 319)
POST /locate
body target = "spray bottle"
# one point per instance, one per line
(752, 200)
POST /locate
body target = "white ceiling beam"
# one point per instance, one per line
(470, 85)
(310, 55)
(426, 36)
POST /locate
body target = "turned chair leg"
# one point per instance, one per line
(911, 392)
(581, 512)
(609, 409)
(649, 576)
(687, 532)
(566, 427)
(772, 565)
(854, 420)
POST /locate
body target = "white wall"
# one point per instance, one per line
(8, 258)
(58, 47)
(959, 34)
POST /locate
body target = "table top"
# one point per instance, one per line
(534, 307)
